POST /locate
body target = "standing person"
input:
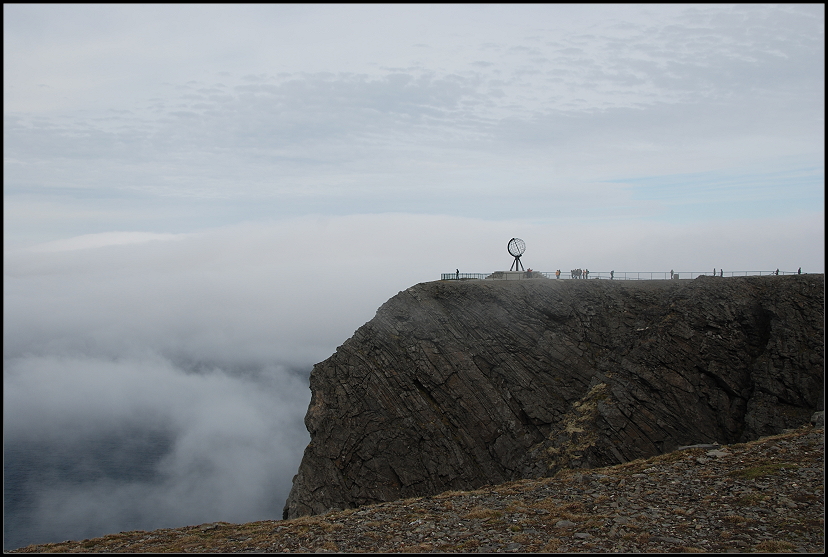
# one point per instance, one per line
(714, 271)
(671, 273)
(586, 273)
(458, 274)
(777, 272)
(721, 273)
(799, 272)
(558, 274)
(612, 274)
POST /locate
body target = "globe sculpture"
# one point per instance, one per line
(516, 248)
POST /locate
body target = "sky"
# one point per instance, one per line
(201, 202)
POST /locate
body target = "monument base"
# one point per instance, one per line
(508, 275)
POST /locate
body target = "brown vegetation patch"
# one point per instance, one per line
(483, 513)
(762, 470)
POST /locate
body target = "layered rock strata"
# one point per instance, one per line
(458, 384)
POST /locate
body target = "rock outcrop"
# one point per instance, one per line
(458, 384)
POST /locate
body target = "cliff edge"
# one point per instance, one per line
(458, 384)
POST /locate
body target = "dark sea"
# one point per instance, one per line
(40, 477)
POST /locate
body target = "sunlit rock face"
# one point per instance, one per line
(457, 384)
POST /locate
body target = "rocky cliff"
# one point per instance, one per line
(458, 384)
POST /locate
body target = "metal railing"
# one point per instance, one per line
(627, 275)
(462, 276)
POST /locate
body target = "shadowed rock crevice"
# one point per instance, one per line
(458, 384)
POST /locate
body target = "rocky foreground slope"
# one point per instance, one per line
(458, 384)
(762, 496)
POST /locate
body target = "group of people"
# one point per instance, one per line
(576, 273)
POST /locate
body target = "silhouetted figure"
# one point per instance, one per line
(777, 272)
(558, 274)
(714, 271)
(671, 273)
(721, 273)
(458, 274)
(612, 274)
(799, 272)
(586, 273)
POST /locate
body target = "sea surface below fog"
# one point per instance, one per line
(94, 447)
(39, 477)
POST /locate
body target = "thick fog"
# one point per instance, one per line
(161, 380)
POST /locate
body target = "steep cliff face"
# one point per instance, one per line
(458, 384)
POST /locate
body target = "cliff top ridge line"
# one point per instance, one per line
(613, 275)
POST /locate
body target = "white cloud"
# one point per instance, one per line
(209, 445)
(101, 240)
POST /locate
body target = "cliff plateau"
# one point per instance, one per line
(458, 384)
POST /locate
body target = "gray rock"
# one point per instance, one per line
(818, 419)
(457, 384)
(564, 524)
(700, 446)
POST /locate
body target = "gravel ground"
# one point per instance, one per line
(763, 496)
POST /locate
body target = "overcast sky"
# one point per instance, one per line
(171, 119)
(200, 202)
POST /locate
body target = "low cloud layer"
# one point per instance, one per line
(101, 445)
